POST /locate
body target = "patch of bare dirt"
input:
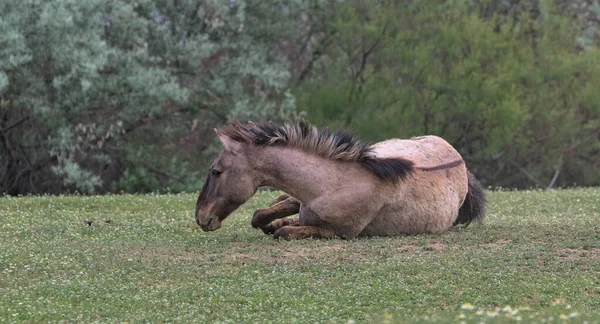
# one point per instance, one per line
(276, 254)
(578, 254)
(241, 253)
(166, 254)
(495, 244)
(408, 249)
(238, 253)
(432, 247)
(437, 246)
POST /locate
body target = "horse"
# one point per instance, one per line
(339, 185)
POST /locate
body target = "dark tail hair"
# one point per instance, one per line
(474, 206)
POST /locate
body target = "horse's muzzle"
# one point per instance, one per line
(213, 223)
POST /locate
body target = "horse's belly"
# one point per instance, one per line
(410, 222)
(417, 212)
(382, 228)
(395, 223)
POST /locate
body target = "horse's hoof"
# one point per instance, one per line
(276, 235)
(256, 222)
(268, 229)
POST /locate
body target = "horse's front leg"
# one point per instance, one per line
(279, 223)
(308, 225)
(281, 207)
(343, 213)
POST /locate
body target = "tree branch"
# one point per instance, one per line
(553, 179)
(15, 124)
(526, 173)
(315, 56)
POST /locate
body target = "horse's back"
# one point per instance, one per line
(424, 151)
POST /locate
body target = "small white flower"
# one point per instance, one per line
(492, 314)
(467, 306)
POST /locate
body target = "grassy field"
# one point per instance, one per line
(143, 259)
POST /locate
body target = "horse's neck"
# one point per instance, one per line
(300, 174)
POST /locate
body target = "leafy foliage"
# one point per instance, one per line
(121, 95)
(109, 96)
(512, 92)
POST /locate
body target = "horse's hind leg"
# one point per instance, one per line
(279, 209)
(301, 232)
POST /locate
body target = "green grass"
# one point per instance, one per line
(143, 259)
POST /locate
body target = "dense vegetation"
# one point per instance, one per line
(108, 96)
(141, 258)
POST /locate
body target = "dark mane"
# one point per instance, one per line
(336, 145)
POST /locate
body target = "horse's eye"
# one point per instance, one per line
(215, 172)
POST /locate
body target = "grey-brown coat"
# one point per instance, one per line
(341, 187)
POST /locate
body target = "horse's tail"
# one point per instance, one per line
(473, 207)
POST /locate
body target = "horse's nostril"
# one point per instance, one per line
(210, 224)
(204, 224)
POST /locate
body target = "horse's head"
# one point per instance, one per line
(228, 185)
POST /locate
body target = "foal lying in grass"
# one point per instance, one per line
(339, 186)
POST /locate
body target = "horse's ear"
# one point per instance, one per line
(228, 143)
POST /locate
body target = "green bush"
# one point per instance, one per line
(99, 96)
(513, 93)
(121, 95)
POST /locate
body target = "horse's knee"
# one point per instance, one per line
(260, 218)
(283, 208)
